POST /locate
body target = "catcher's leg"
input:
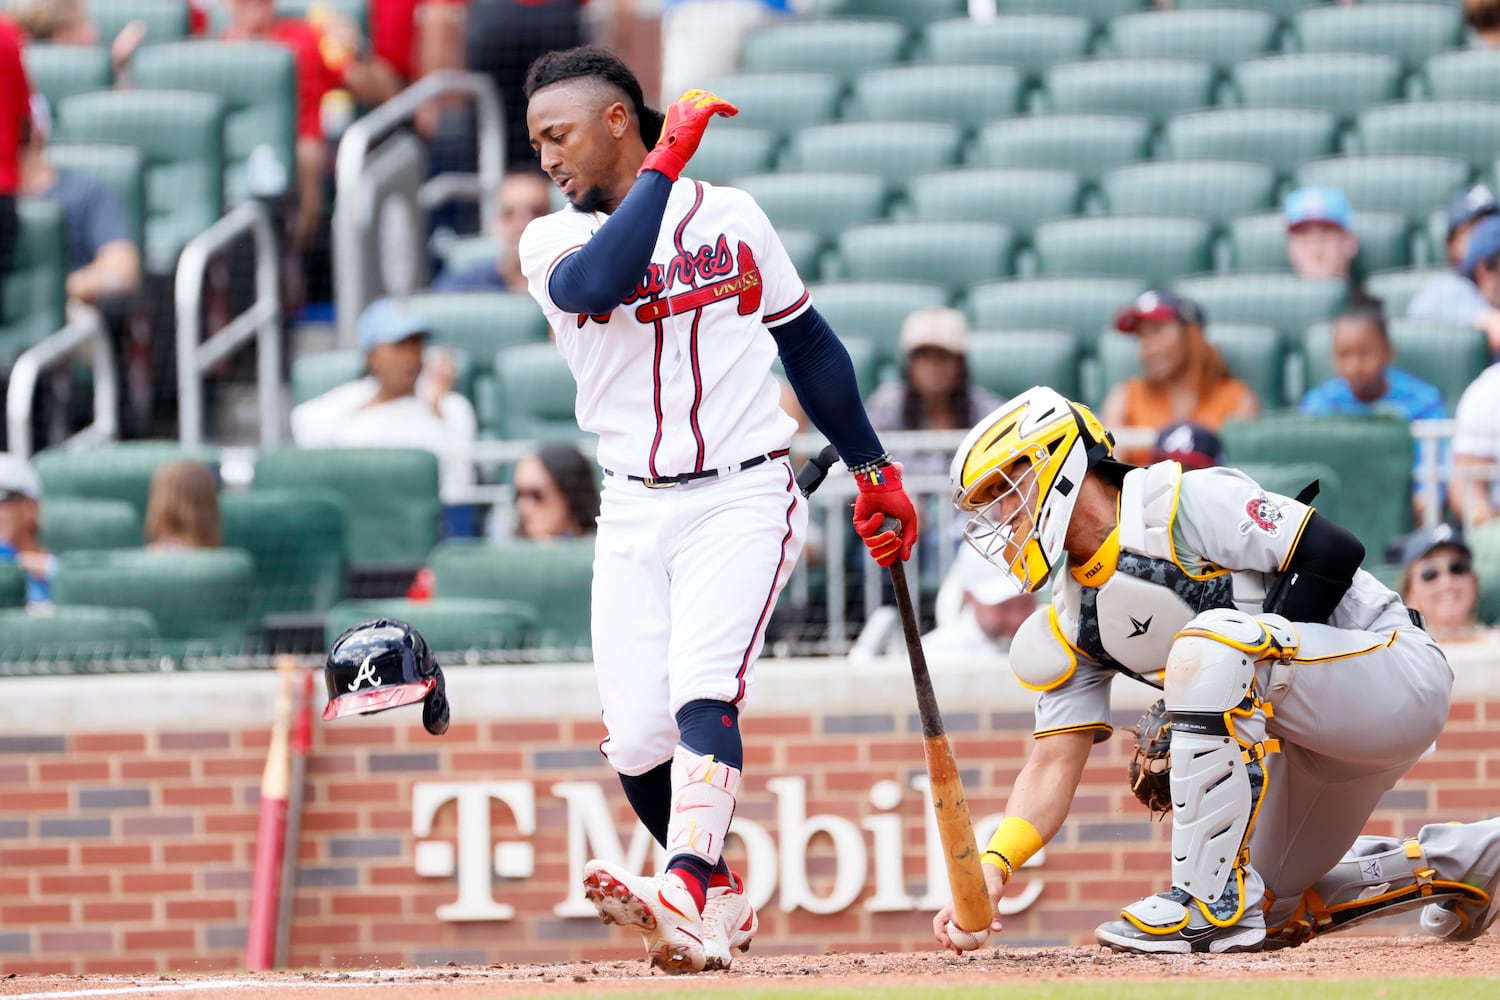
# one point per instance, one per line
(1451, 869)
(1218, 781)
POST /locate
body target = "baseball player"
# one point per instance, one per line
(1298, 688)
(670, 298)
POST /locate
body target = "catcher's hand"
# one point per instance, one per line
(686, 120)
(1151, 765)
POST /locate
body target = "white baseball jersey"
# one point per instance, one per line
(678, 377)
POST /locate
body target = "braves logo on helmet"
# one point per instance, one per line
(382, 664)
(1262, 515)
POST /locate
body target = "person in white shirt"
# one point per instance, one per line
(397, 404)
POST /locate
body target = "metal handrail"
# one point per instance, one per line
(350, 224)
(85, 328)
(262, 320)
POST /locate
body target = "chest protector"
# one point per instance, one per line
(1138, 595)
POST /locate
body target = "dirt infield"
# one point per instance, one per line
(1351, 958)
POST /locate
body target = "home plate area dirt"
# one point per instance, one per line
(1350, 958)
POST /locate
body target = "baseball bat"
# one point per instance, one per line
(270, 835)
(287, 890)
(971, 898)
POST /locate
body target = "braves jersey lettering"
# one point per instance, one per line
(677, 378)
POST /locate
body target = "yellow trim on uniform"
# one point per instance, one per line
(1259, 650)
(1056, 629)
(1159, 931)
(1102, 727)
(1301, 528)
(1104, 561)
(1172, 535)
(1349, 655)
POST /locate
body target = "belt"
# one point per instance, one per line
(663, 482)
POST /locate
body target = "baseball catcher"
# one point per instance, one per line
(1297, 689)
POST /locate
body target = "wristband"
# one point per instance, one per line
(997, 860)
(1014, 842)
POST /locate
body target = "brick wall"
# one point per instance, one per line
(128, 815)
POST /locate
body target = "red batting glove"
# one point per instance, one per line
(683, 130)
(882, 496)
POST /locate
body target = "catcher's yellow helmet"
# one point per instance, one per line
(1019, 471)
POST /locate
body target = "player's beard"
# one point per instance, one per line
(590, 200)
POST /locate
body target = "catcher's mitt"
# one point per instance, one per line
(1151, 765)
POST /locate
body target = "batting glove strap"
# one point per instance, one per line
(683, 129)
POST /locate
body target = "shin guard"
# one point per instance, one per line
(703, 799)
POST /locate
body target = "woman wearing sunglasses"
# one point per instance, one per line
(1439, 581)
(557, 495)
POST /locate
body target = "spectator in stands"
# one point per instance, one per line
(1320, 238)
(20, 527)
(396, 404)
(502, 39)
(68, 22)
(15, 113)
(1451, 297)
(556, 494)
(182, 510)
(935, 392)
(1438, 580)
(104, 264)
(701, 39)
(978, 609)
(523, 195)
(1183, 378)
(1367, 384)
(1484, 18)
(1190, 446)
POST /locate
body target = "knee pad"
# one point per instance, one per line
(1211, 667)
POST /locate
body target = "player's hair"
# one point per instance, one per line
(574, 477)
(1482, 15)
(183, 508)
(592, 62)
(1366, 310)
(41, 19)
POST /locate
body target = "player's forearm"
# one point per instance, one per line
(1043, 791)
(602, 274)
(820, 372)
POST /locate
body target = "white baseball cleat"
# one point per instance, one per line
(658, 906)
(1175, 923)
(729, 922)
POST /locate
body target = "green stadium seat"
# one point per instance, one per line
(1155, 88)
(1397, 287)
(537, 394)
(1098, 11)
(1468, 130)
(1222, 37)
(1019, 197)
(1449, 357)
(779, 102)
(396, 523)
(1082, 306)
(1029, 42)
(1376, 503)
(165, 20)
(1152, 248)
(1216, 190)
(12, 586)
(913, 13)
(34, 295)
(257, 82)
(1008, 362)
(1405, 183)
(1341, 82)
(70, 523)
(1258, 242)
(121, 167)
(356, 10)
(296, 538)
(77, 640)
(1484, 543)
(823, 203)
(733, 152)
(952, 254)
(451, 625)
(1464, 74)
(963, 95)
(197, 596)
(896, 151)
(58, 71)
(805, 248)
(554, 577)
(874, 310)
(470, 251)
(316, 373)
(1255, 354)
(1283, 9)
(181, 134)
(1281, 138)
(1285, 301)
(844, 48)
(119, 471)
(1290, 479)
(1088, 145)
(1410, 32)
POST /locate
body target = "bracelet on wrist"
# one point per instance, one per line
(997, 860)
(864, 468)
